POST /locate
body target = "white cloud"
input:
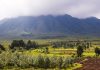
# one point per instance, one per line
(77, 8)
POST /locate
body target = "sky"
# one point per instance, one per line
(75, 8)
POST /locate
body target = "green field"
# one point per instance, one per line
(52, 52)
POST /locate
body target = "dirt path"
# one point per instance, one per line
(90, 64)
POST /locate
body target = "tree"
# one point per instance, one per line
(97, 51)
(53, 62)
(88, 45)
(59, 62)
(2, 47)
(17, 44)
(40, 61)
(65, 63)
(46, 62)
(46, 50)
(79, 51)
(31, 45)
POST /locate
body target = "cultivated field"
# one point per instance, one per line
(62, 53)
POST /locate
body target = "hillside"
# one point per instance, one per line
(61, 25)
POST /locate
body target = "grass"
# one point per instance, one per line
(54, 52)
(75, 66)
(89, 54)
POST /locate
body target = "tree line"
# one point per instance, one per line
(71, 44)
(20, 44)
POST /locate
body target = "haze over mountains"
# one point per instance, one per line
(61, 25)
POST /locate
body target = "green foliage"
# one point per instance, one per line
(79, 51)
(47, 62)
(40, 61)
(70, 44)
(26, 60)
(46, 50)
(53, 62)
(22, 60)
(31, 45)
(17, 44)
(20, 45)
(97, 51)
(2, 47)
(59, 62)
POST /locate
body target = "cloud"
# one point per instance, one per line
(85, 8)
(76, 8)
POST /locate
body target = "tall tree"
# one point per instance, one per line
(97, 51)
(79, 51)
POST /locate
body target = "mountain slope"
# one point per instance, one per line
(50, 25)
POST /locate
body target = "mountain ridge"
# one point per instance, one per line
(50, 25)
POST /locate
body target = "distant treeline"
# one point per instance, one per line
(21, 45)
(71, 44)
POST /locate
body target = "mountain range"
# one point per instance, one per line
(49, 25)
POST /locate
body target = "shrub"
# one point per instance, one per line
(21, 60)
(79, 51)
(47, 62)
(40, 61)
(97, 51)
(53, 62)
(59, 62)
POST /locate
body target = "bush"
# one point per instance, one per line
(79, 51)
(21, 60)
(47, 63)
(53, 63)
(97, 51)
(40, 61)
(59, 62)
(65, 63)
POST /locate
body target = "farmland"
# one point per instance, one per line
(61, 53)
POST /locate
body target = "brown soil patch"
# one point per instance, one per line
(90, 64)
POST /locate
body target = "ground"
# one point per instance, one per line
(91, 63)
